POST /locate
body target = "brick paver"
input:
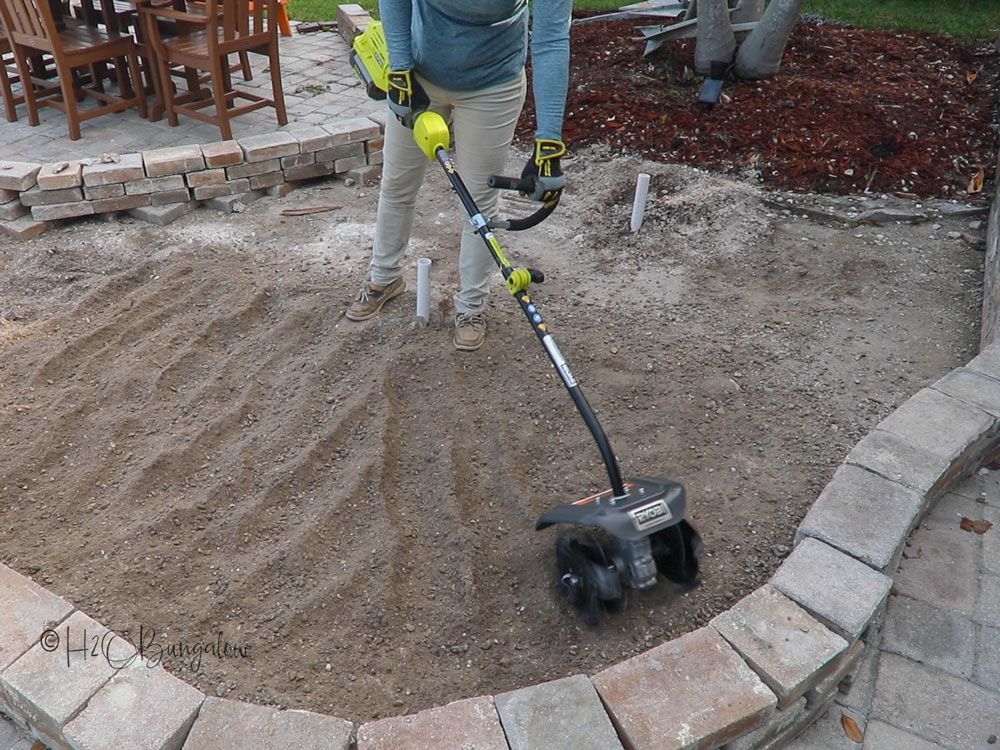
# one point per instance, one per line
(562, 713)
(142, 707)
(233, 725)
(692, 692)
(28, 610)
(932, 704)
(49, 686)
(790, 650)
(842, 592)
(863, 514)
(470, 724)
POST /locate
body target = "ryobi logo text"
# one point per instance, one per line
(650, 515)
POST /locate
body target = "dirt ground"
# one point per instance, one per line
(195, 442)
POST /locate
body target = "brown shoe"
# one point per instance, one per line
(370, 300)
(470, 331)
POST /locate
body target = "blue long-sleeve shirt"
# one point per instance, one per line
(465, 45)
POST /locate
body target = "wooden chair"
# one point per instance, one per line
(119, 16)
(225, 28)
(32, 29)
(242, 65)
(41, 66)
(8, 78)
(283, 23)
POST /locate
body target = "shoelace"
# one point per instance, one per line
(470, 319)
(367, 293)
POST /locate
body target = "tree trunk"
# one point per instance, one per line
(747, 11)
(715, 42)
(760, 54)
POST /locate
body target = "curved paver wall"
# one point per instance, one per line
(752, 679)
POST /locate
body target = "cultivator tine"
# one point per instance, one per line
(676, 550)
(589, 580)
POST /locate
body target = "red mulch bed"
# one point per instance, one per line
(850, 110)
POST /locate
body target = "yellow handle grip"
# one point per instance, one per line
(430, 131)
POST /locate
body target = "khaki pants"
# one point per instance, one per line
(482, 125)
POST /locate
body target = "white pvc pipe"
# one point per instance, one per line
(639, 204)
(424, 288)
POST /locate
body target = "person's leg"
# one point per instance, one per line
(403, 168)
(484, 123)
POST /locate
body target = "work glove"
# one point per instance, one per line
(407, 98)
(543, 167)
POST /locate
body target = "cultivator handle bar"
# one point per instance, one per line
(511, 183)
(526, 186)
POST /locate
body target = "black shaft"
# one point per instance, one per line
(534, 317)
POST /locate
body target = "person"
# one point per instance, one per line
(465, 59)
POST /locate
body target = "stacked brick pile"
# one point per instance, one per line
(161, 185)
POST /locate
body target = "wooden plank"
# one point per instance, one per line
(683, 30)
(673, 31)
(656, 5)
(624, 15)
(655, 39)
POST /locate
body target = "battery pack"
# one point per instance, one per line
(370, 60)
(371, 88)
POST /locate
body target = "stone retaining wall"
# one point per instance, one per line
(161, 185)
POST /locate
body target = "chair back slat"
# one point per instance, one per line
(30, 19)
(239, 20)
(261, 16)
